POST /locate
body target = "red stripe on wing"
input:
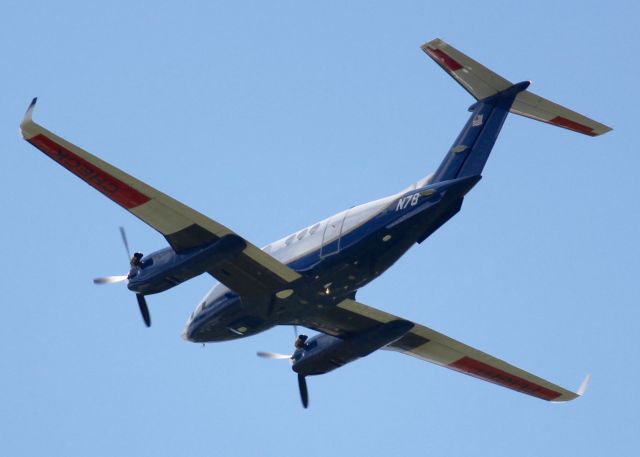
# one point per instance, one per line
(116, 190)
(572, 125)
(445, 60)
(488, 373)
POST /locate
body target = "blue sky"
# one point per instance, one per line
(269, 116)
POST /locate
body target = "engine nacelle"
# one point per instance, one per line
(165, 268)
(324, 353)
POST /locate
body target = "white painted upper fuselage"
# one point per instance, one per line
(314, 237)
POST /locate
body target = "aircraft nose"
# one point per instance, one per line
(187, 331)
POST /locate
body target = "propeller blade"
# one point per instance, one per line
(125, 242)
(272, 355)
(110, 279)
(304, 393)
(144, 309)
(295, 330)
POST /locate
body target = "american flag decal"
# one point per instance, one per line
(477, 120)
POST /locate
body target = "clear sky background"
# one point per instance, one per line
(269, 116)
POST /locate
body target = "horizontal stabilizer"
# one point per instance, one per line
(483, 83)
(533, 106)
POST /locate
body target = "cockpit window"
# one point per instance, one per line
(302, 234)
(314, 229)
(226, 296)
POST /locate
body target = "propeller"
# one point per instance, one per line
(302, 381)
(144, 309)
(110, 279)
(304, 393)
(133, 261)
(123, 235)
(273, 355)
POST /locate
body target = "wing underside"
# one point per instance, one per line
(424, 343)
(253, 271)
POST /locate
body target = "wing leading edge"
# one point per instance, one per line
(427, 344)
(183, 227)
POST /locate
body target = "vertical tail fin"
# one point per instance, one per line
(496, 98)
(469, 153)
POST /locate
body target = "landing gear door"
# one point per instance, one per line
(331, 236)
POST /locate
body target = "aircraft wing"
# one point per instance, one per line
(183, 227)
(350, 316)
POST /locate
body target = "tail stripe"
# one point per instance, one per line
(446, 61)
(571, 125)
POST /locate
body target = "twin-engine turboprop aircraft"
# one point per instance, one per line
(310, 278)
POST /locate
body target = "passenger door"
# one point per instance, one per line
(331, 236)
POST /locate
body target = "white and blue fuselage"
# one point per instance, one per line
(336, 256)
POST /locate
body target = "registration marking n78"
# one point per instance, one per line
(409, 200)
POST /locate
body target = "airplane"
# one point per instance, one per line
(310, 278)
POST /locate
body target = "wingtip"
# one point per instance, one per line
(583, 387)
(28, 115)
(433, 42)
(605, 129)
(577, 394)
(32, 106)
